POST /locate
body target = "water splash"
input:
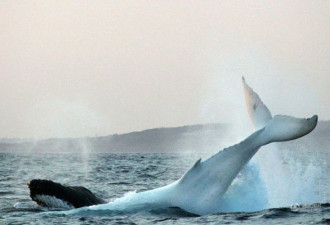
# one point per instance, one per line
(274, 179)
(247, 193)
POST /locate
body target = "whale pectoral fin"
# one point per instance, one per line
(257, 110)
(191, 172)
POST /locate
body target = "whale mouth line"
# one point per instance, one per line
(50, 201)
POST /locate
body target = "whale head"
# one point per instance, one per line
(49, 194)
(55, 195)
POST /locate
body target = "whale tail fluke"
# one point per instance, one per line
(285, 128)
(258, 111)
(278, 128)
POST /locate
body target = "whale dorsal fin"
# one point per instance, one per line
(191, 172)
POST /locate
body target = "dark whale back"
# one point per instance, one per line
(77, 196)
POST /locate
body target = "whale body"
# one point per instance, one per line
(200, 190)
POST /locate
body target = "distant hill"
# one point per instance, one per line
(208, 137)
(152, 140)
(14, 140)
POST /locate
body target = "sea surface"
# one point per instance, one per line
(112, 175)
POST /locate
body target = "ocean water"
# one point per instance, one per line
(252, 198)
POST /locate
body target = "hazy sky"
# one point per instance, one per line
(86, 68)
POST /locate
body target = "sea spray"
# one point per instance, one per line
(247, 193)
(289, 178)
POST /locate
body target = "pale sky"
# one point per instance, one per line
(86, 68)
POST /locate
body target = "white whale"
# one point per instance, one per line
(200, 190)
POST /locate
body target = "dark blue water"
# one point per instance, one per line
(110, 176)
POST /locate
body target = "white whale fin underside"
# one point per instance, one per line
(286, 128)
(202, 187)
(258, 111)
